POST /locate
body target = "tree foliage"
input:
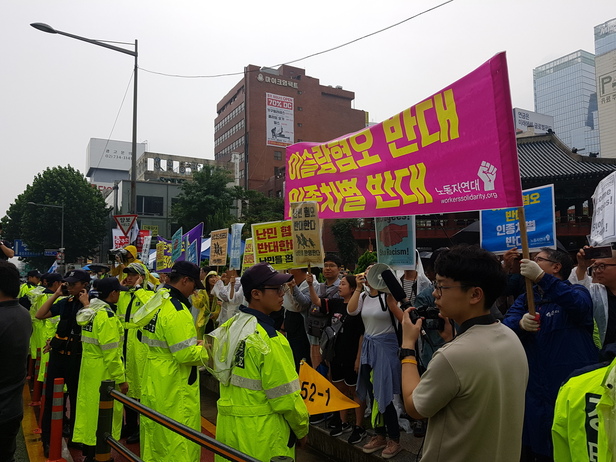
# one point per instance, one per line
(367, 259)
(85, 215)
(258, 208)
(347, 246)
(207, 198)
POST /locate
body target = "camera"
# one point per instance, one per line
(432, 320)
(122, 253)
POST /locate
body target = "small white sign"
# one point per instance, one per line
(603, 229)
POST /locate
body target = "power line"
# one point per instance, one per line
(305, 57)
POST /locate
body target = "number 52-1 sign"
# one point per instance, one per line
(319, 394)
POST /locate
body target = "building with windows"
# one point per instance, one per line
(270, 109)
(566, 89)
(605, 62)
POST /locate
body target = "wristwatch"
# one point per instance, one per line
(405, 352)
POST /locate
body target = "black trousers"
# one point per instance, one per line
(66, 367)
(8, 438)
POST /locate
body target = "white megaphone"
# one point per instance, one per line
(375, 277)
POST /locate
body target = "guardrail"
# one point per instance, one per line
(104, 440)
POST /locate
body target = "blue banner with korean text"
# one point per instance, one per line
(500, 228)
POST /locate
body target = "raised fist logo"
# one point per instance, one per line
(393, 234)
(487, 173)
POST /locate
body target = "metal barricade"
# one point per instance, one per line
(104, 440)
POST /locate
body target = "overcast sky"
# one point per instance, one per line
(57, 92)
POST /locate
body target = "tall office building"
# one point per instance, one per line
(270, 109)
(605, 62)
(566, 89)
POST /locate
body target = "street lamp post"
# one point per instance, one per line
(61, 225)
(133, 175)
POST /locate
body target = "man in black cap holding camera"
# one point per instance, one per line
(65, 346)
(258, 376)
(170, 382)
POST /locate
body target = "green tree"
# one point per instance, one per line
(258, 208)
(367, 259)
(85, 215)
(347, 245)
(206, 198)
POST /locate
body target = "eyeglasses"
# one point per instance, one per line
(538, 259)
(439, 288)
(601, 266)
(279, 289)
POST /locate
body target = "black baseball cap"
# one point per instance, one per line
(263, 274)
(34, 274)
(51, 277)
(77, 276)
(107, 285)
(186, 268)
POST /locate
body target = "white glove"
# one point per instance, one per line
(530, 323)
(530, 269)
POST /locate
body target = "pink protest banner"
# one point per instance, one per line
(455, 151)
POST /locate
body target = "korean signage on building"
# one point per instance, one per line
(279, 120)
(523, 119)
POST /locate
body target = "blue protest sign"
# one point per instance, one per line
(500, 229)
(176, 245)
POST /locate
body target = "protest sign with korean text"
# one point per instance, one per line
(235, 252)
(603, 230)
(500, 229)
(249, 255)
(307, 240)
(273, 244)
(164, 249)
(454, 151)
(218, 247)
(395, 241)
(177, 245)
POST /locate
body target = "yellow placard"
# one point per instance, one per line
(273, 244)
(249, 255)
(319, 394)
(307, 241)
(218, 247)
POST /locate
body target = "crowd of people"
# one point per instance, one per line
(461, 356)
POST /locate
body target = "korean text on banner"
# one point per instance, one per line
(145, 248)
(603, 230)
(249, 255)
(120, 239)
(307, 240)
(177, 244)
(163, 255)
(395, 241)
(500, 229)
(319, 394)
(218, 247)
(273, 244)
(235, 252)
(455, 151)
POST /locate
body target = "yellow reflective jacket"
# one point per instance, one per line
(101, 337)
(170, 382)
(134, 351)
(261, 411)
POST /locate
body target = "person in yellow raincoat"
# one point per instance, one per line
(170, 383)
(134, 351)
(260, 410)
(128, 255)
(46, 327)
(101, 336)
(207, 304)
